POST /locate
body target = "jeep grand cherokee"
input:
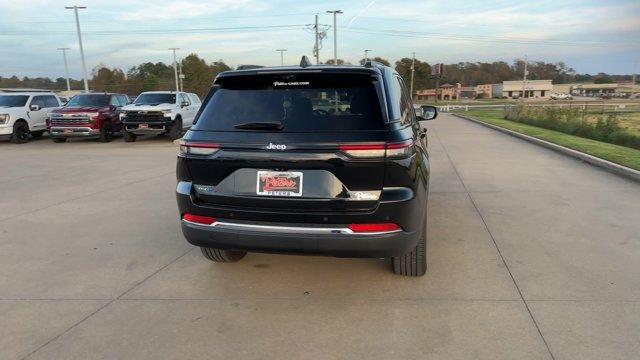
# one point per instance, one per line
(327, 160)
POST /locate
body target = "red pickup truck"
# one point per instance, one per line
(88, 115)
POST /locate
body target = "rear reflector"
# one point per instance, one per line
(368, 228)
(198, 148)
(204, 220)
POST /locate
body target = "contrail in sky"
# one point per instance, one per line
(360, 13)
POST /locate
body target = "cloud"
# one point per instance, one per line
(184, 9)
(47, 25)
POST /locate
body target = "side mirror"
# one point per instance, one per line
(184, 104)
(34, 107)
(428, 112)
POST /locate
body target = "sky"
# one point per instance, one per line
(589, 36)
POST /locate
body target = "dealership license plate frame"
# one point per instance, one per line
(260, 182)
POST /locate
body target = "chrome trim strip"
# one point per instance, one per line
(289, 229)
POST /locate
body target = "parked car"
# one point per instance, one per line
(261, 170)
(24, 114)
(560, 96)
(160, 112)
(88, 115)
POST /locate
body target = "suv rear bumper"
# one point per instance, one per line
(375, 245)
(305, 233)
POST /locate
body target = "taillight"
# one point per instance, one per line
(369, 228)
(363, 150)
(391, 150)
(399, 149)
(198, 219)
(198, 148)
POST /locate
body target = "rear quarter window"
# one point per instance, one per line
(316, 102)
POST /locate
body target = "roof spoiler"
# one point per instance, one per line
(370, 63)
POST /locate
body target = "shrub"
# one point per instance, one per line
(572, 122)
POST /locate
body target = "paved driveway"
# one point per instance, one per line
(532, 255)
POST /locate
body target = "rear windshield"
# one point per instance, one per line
(89, 100)
(300, 102)
(155, 99)
(13, 100)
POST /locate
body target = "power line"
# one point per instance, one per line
(111, 21)
(163, 31)
(473, 38)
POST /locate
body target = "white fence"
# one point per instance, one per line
(591, 105)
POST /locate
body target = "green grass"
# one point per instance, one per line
(618, 154)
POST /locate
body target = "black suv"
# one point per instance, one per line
(312, 159)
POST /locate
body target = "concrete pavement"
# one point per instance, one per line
(532, 255)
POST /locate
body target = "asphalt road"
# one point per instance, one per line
(532, 255)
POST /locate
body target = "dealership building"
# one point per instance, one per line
(533, 89)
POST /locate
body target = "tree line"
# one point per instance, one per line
(143, 77)
(199, 74)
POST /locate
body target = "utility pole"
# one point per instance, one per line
(524, 77)
(281, 55)
(175, 67)
(413, 70)
(317, 41)
(366, 56)
(66, 67)
(335, 34)
(180, 75)
(635, 71)
(84, 65)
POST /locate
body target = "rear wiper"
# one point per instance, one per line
(276, 125)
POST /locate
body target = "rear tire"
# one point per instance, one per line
(20, 132)
(413, 263)
(59, 140)
(129, 137)
(175, 132)
(219, 255)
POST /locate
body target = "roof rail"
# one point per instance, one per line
(304, 62)
(248, 67)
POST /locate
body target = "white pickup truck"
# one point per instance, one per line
(159, 112)
(24, 114)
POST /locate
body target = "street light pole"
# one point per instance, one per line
(335, 34)
(66, 67)
(413, 70)
(175, 68)
(84, 65)
(180, 76)
(317, 42)
(366, 56)
(281, 55)
(524, 77)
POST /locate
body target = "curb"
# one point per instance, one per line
(596, 161)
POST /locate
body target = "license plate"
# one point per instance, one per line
(143, 126)
(279, 183)
(68, 131)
